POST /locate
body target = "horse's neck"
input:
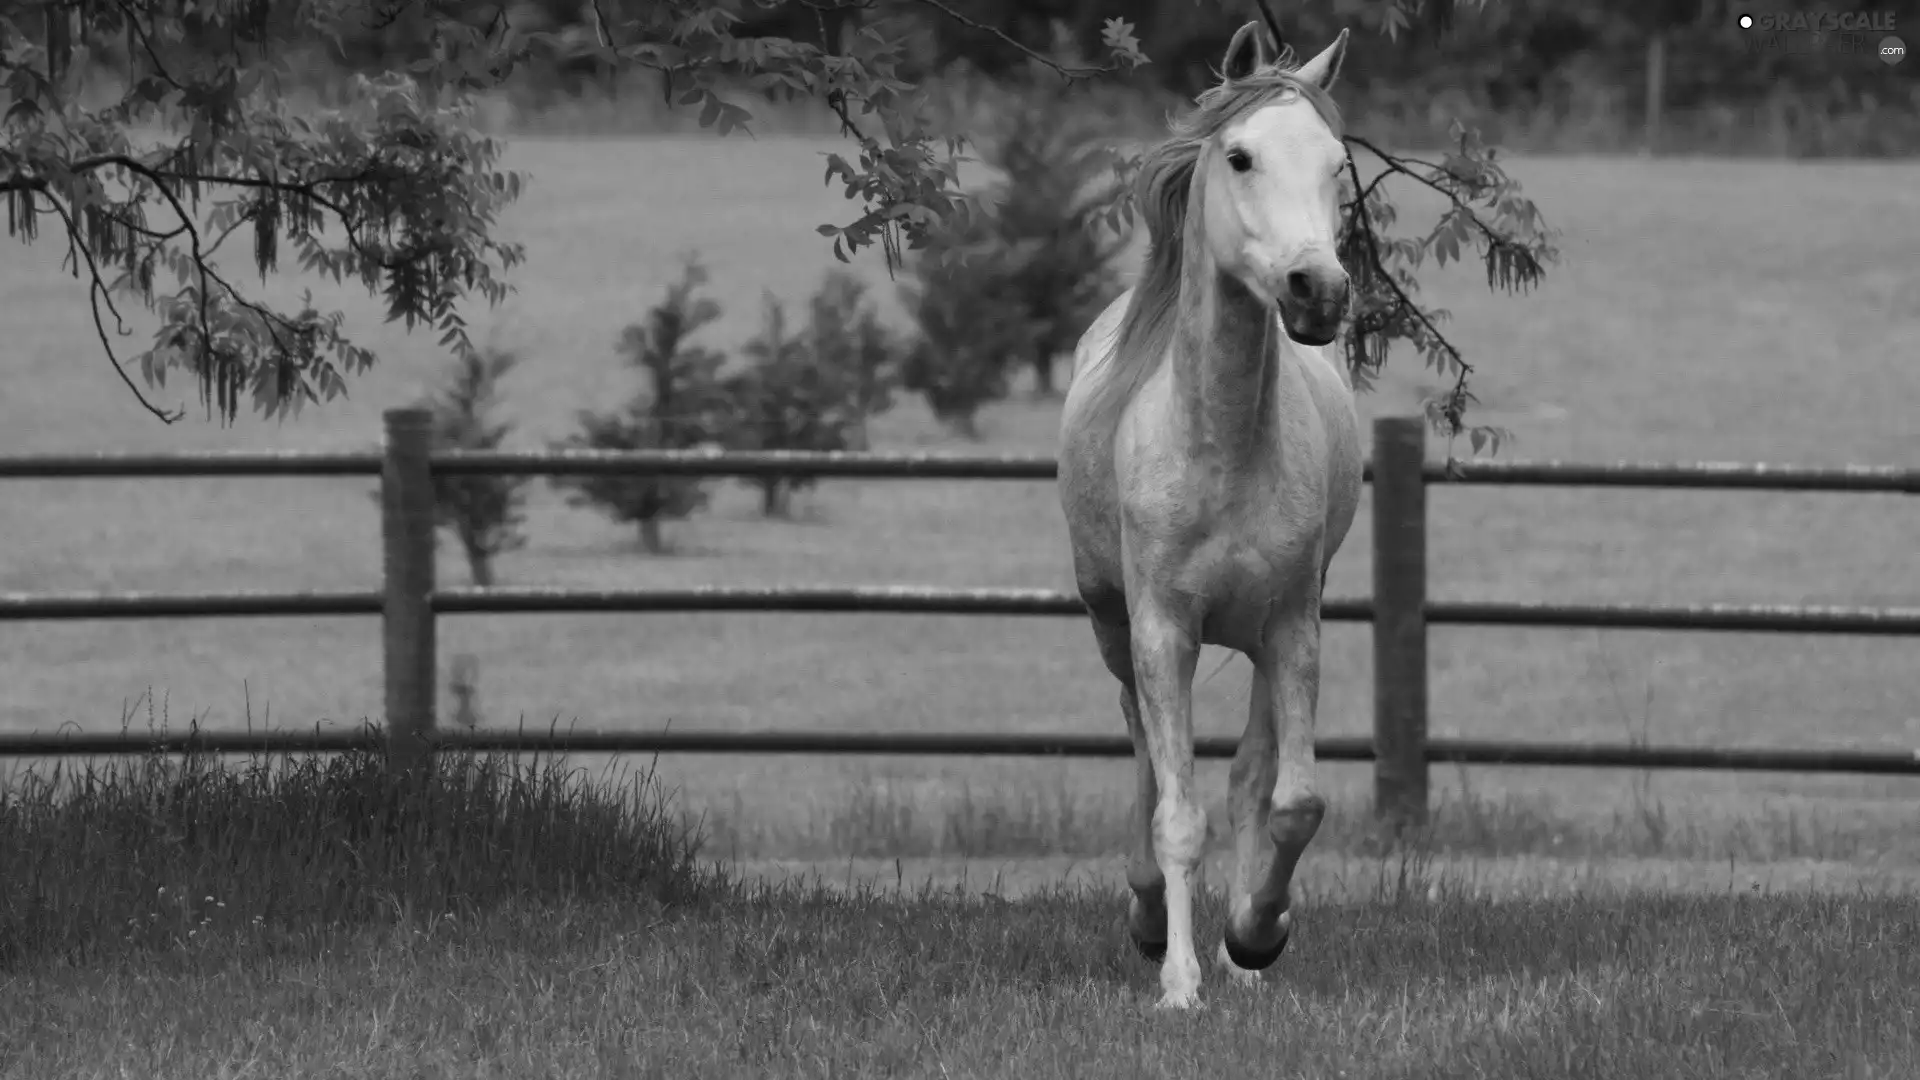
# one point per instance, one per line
(1228, 349)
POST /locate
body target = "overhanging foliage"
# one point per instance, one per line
(398, 190)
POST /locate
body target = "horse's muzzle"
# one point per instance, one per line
(1313, 324)
(1313, 303)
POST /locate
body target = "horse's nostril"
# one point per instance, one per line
(1300, 285)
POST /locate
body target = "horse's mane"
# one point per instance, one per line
(1163, 195)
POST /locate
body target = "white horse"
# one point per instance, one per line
(1209, 469)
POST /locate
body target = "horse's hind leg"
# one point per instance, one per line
(1289, 668)
(1147, 911)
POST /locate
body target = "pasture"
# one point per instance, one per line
(802, 984)
(1705, 310)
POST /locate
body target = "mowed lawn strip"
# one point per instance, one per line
(803, 981)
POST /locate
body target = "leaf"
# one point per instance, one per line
(1117, 35)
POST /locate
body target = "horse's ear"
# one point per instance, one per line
(1324, 68)
(1247, 52)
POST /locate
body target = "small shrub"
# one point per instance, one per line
(813, 389)
(486, 514)
(846, 333)
(1047, 152)
(157, 852)
(463, 688)
(960, 293)
(1017, 280)
(683, 404)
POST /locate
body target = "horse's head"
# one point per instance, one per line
(1271, 176)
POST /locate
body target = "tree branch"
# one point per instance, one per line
(97, 292)
(1363, 225)
(1064, 71)
(1399, 165)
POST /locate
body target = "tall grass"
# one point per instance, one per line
(965, 820)
(135, 853)
(123, 855)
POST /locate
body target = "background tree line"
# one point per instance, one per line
(1564, 73)
(1515, 67)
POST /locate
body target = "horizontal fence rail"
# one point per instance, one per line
(1731, 476)
(1399, 609)
(931, 744)
(929, 600)
(37, 607)
(129, 466)
(1698, 475)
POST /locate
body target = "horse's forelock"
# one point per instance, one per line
(1231, 99)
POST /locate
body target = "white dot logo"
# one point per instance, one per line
(1746, 22)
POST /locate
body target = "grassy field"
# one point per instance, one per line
(807, 984)
(1706, 309)
(301, 920)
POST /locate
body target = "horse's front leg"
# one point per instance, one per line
(1147, 910)
(1250, 782)
(1165, 649)
(1288, 667)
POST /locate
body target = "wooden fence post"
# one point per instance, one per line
(406, 529)
(1399, 621)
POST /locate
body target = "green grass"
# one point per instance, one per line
(960, 821)
(192, 922)
(1706, 309)
(804, 983)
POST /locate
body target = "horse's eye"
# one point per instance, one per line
(1239, 159)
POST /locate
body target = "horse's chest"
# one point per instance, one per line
(1242, 549)
(1249, 546)
(1250, 511)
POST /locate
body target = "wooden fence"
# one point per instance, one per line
(1399, 609)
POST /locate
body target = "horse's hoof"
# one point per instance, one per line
(1235, 974)
(1147, 926)
(1179, 1001)
(1250, 959)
